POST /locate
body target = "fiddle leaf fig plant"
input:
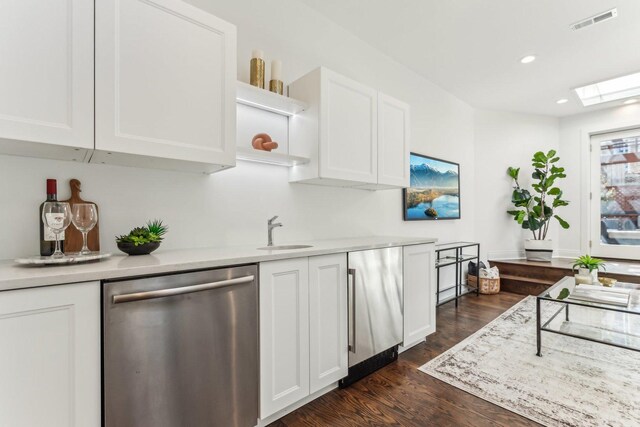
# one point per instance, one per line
(534, 209)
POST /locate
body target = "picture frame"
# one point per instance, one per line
(434, 189)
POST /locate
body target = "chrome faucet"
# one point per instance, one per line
(270, 227)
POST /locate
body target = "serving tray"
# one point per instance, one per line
(67, 259)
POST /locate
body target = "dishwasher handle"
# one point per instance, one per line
(161, 293)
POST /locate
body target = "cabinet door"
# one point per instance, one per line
(393, 142)
(329, 351)
(50, 356)
(46, 78)
(165, 83)
(348, 130)
(284, 334)
(419, 293)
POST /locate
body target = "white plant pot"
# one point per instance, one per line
(582, 279)
(592, 274)
(538, 250)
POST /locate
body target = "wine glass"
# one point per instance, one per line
(56, 216)
(84, 216)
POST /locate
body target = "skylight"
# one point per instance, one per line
(610, 90)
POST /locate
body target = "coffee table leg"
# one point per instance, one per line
(538, 328)
(567, 312)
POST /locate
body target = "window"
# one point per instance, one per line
(615, 194)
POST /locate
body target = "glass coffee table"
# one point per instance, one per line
(613, 323)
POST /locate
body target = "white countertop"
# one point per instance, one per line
(13, 276)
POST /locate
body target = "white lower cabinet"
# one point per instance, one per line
(284, 333)
(329, 361)
(50, 356)
(419, 293)
(303, 328)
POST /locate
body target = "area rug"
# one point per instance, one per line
(575, 383)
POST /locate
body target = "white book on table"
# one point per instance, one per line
(600, 294)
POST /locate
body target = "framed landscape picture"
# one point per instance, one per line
(434, 191)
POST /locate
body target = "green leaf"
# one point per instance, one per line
(563, 293)
(564, 224)
(534, 224)
(539, 157)
(555, 191)
(551, 154)
(557, 202)
(513, 172)
(555, 159)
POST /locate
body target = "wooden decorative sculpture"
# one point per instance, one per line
(263, 142)
(72, 237)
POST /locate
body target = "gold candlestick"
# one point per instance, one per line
(257, 72)
(276, 86)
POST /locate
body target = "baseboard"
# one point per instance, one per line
(512, 254)
(451, 292)
(567, 253)
(281, 413)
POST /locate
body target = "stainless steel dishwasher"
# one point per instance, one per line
(182, 349)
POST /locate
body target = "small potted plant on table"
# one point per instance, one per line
(588, 266)
(142, 240)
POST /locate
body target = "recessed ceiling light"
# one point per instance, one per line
(562, 101)
(610, 90)
(528, 59)
(630, 101)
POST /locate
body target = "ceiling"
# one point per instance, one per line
(472, 48)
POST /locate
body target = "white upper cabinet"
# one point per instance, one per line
(348, 131)
(46, 78)
(353, 135)
(393, 144)
(165, 86)
(419, 293)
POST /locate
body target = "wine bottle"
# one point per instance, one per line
(47, 237)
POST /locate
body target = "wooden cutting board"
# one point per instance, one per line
(72, 237)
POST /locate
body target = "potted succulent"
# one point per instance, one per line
(534, 210)
(589, 266)
(142, 240)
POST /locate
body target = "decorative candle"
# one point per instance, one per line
(276, 69)
(257, 53)
(275, 84)
(256, 70)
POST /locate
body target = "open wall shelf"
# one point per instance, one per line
(269, 101)
(269, 157)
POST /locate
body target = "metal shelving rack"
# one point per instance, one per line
(458, 260)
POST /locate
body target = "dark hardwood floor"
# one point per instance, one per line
(401, 395)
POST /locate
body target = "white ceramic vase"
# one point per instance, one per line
(538, 250)
(592, 274)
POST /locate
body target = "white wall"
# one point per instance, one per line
(574, 142)
(232, 207)
(502, 140)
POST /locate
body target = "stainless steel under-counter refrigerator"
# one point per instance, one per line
(375, 310)
(182, 350)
